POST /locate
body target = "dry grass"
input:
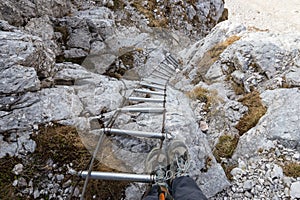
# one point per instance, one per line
(62, 145)
(255, 111)
(210, 98)
(7, 191)
(211, 56)
(225, 147)
(147, 11)
(118, 5)
(292, 169)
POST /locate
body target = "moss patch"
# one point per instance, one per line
(291, 169)
(255, 111)
(225, 147)
(211, 56)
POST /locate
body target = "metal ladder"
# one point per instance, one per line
(155, 84)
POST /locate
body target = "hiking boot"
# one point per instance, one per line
(156, 163)
(179, 158)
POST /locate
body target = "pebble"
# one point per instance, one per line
(262, 177)
(18, 168)
(22, 182)
(248, 185)
(15, 183)
(296, 156)
(295, 190)
(50, 175)
(248, 194)
(67, 184)
(76, 192)
(36, 194)
(203, 126)
(236, 171)
(60, 177)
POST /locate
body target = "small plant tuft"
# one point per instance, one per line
(204, 96)
(292, 169)
(255, 111)
(210, 57)
(225, 147)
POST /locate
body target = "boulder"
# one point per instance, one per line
(18, 79)
(18, 13)
(292, 77)
(40, 107)
(31, 53)
(295, 188)
(279, 123)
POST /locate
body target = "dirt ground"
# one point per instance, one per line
(279, 16)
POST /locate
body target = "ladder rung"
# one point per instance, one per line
(145, 178)
(158, 82)
(172, 60)
(150, 92)
(163, 73)
(134, 133)
(169, 65)
(152, 86)
(167, 70)
(143, 110)
(160, 76)
(146, 99)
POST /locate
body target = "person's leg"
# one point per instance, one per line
(186, 188)
(152, 194)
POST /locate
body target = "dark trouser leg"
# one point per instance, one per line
(152, 194)
(186, 188)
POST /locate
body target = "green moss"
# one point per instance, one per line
(292, 169)
(225, 147)
(255, 111)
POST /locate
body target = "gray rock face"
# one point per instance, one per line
(258, 63)
(40, 107)
(82, 29)
(181, 123)
(279, 123)
(193, 18)
(292, 77)
(19, 13)
(43, 28)
(18, 79)
(295, 188)
(31, 53)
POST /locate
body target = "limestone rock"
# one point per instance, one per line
(43, 28)
(18, 169)
(31, 53)
(292, 77)
(258, 63)
(19, 13)
(280, 123)
(295, 190)
(41, 107)
(18, 79)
